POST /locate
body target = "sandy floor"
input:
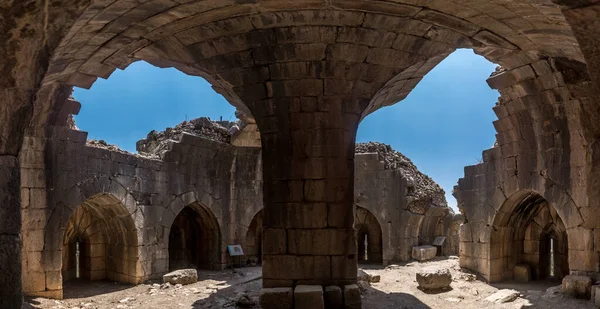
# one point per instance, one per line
(397, 290)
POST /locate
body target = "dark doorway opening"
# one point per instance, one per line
(368, 236)
(194, 240)
(253, 242)
(531, 234)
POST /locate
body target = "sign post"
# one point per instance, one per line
(235, 250)
(439, 242)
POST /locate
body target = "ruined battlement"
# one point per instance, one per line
(66, 180)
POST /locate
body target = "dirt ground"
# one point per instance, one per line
(397, 289)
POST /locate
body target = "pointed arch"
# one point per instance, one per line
(194, 239)
(369, 236)
(100, 242)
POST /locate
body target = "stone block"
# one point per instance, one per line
(277, 298)
(433, 278)
(295, 267)
(321, 241)
(581, 239)
(522, 273)
(274, 241)
(53, 280)
(333, 297)
(352, 298)
(577, 286)
(296, 215)
(424, 253)
(344, 267)
(182, 276)
(308, 297)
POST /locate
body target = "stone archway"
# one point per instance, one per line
(100, 242)
(194, 239)
(368, 234)
(282, 62)
(528, 231)
(253, 241)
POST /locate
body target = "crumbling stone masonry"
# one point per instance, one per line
(129, 218)
(533, 186)
(124, 210)
(307, 72)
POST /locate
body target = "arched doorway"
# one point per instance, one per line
(253, 242)
(195, 239)
(368, 236)
(528, 231)
(100, 242)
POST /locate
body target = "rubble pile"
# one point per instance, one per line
(423, 192)
(156, 142)
(104, 145)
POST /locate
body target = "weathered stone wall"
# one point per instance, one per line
(384, 193)
(112, 200)
(265, 55)
(61, 173)
(545, 148)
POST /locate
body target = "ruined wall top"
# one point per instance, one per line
(422, 191)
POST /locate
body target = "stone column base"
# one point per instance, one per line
(311, 297)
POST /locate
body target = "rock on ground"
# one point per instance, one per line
(182, 276)
(503, 296)
(363, 276)
(434, 278)
(577, 286)
(244, 300)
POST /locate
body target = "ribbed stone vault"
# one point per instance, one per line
(308, 71)
(255, 52)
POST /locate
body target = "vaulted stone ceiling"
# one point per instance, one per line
(366, 53)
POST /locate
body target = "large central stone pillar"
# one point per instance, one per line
(308, 165)
(10, 230)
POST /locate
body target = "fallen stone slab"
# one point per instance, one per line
(434, 278)
(577, 286)
(503, 296)
(364, 276)
(181, 276)
(424, 253)
(554, 290)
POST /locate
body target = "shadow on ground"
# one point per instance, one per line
(86, 288)
(376, 299)
(231, 290)
(372, 298)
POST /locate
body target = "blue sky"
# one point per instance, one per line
(443, 125)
